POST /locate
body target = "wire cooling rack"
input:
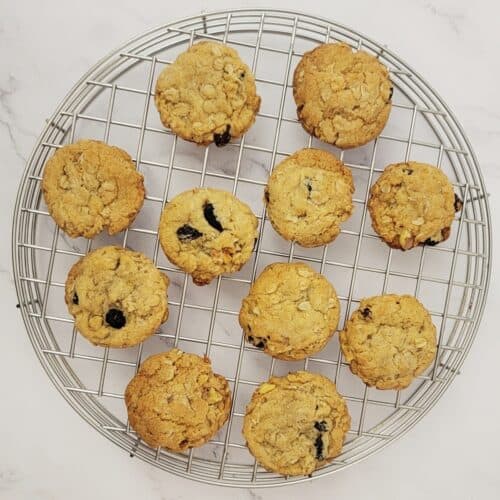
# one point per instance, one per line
(113, 102)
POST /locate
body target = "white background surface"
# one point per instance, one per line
(46, 450)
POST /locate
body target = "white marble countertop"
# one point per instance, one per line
(47, 450)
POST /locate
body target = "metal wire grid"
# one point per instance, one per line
(464, 289)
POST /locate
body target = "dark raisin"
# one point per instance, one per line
(391, 92)
(224, 138)
(458, 204)
(366, 312)
(115, 318)
(258, 342)
(242, 74)
(75, 299)
(266, 196)
(408, 171)
(208, 212)
(309, 188)
(320, 426)
(430, 242)
(188, 233)
(318, 444)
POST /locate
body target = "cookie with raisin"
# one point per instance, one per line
(295, 424)
(207, 94)
(207, 232)
(117, 296)
(389, 340)
(290, 312)
(413, 204)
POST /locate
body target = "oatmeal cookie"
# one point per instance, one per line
(89, 186)
(343, 97)
(117, 296)
(207, 232)
(389, 340)
(290, 312)
(412, 203)
(295, 424)
(207, 95)
(308, 196)
(177, 401)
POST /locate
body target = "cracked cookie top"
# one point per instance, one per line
(290, 312)
(207, 232)
(389, 340)
(118, 297)
(308, 196)
(295, 424)
(412, 203)
(176, 401)
(89, 186)
(342, 97)
(207, 95)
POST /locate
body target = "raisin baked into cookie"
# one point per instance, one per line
(308, 196)
(89, 186)
(177, 401)
(207, 95)
(118, 297)
(412, 203)
(290, 312)
(389, 340)
(207, 232)
(295, 424)
(343, 97)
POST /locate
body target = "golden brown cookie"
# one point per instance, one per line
(290, 312)
(118, 297)
(89, 186)
(177, 401)
(207, 232)
(308, 196)
(207, 95)
(389, 340)
(412, 203)
(295, 424)
(342, 97)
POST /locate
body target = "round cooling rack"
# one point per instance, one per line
(113, 102)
